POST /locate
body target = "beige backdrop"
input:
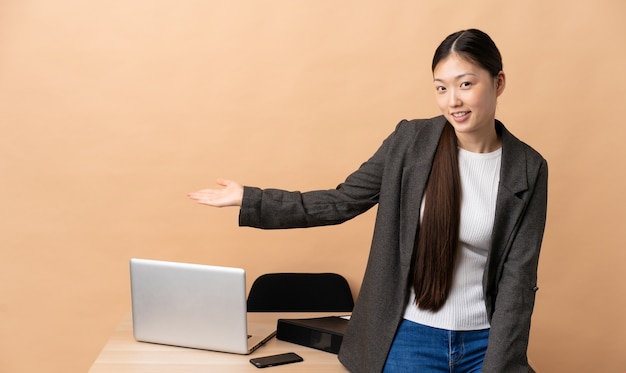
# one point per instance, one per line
(111, 111)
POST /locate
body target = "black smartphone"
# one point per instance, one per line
(270, 361)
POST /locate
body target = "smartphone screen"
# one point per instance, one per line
(270, 361)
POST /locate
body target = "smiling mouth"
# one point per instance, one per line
(460, 114)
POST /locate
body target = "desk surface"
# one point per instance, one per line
(124, 354)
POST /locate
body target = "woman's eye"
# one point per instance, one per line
(440, 89)
(466, 84)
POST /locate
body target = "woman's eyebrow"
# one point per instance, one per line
(460, 76)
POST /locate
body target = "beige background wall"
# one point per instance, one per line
(111, 111)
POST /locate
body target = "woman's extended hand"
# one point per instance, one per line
(230, 195)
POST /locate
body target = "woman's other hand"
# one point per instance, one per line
(230, 195)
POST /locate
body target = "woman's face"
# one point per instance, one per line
(466, 94)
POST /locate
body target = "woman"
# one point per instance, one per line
(451, 278)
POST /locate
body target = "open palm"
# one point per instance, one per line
(230, 195)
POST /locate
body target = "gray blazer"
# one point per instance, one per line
(395, 178)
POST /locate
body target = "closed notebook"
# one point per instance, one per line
(322, 333)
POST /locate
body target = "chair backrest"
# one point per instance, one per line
(300, 292)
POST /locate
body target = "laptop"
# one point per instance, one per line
(193, 305)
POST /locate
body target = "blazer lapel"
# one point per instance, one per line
(510, 204)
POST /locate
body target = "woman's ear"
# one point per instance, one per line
(500, 83)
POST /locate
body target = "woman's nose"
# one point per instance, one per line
(454, 99)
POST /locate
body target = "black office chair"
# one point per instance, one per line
(300, 292)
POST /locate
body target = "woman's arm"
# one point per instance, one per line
(277, 209)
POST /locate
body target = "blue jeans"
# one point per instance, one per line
(424, 349)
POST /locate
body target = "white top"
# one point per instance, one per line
(465, 307)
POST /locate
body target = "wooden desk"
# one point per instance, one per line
(124, 354)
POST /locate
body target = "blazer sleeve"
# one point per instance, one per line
(510, 323)
(277, 209)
